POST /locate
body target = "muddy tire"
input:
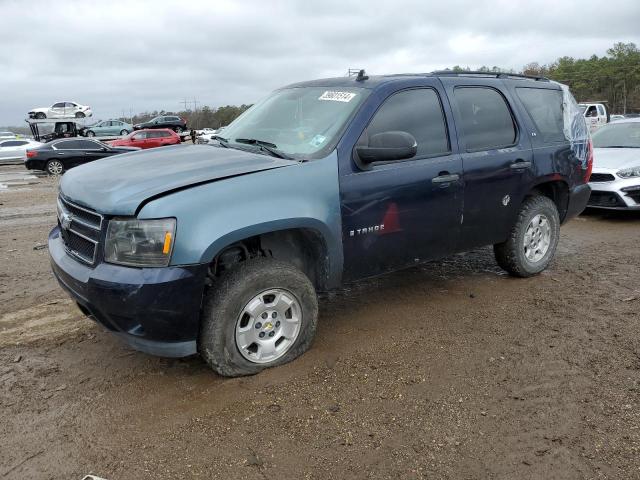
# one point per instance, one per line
(259, 314)
(533, 238)
(40, 116)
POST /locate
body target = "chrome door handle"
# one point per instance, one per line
(520, 165)
(448, 178)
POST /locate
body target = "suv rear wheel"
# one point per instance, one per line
(178, 129)
(533, 238)
(259, 314)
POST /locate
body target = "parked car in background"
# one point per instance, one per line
(107, 127)
(61, 110)
(613, 118)
(173, 122)
(60, 155)
(615, 180)
(209, 136)
(7, 135)
(596, 114)
(15, 149)
(148, 139)
(221, 250)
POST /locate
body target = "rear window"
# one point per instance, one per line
(486, 118)
(545, 109)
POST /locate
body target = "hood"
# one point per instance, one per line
(616, 158)
(118, 185)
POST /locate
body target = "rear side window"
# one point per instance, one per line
(486, 118)
(140, 136)
(164, 134)
(545, 109)
(417, 112)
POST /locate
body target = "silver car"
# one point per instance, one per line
(615, 180)
(15, 149)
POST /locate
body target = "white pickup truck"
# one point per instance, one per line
(596, 114)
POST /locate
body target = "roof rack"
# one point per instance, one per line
(489, 74)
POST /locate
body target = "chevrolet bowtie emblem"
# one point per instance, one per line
(65, 220)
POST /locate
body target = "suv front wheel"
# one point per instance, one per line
(259, 314)
(533, 238)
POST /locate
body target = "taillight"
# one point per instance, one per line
(587, 174)
(32, 153)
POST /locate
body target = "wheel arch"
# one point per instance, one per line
(305, 243)
(557, 190)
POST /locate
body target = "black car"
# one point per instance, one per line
(60, 155)
(173, 122)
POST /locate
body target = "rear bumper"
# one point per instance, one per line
(578, 198)
(155, 310)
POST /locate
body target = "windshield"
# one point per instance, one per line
(620, 135)
(301, 122)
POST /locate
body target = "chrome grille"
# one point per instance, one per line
(80, 228)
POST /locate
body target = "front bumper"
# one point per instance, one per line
(616, 194)
(155, 310)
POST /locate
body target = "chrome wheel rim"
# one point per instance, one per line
(91, 134)
(268, 325)
(537, 238)
(55, 167)
(178, 130)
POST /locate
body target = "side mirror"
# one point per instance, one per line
(387, 147)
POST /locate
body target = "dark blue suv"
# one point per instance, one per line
(220, 249)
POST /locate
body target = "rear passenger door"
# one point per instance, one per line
(496, 157)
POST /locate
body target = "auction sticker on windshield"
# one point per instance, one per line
(337, 96)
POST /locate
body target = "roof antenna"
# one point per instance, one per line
(362, 76)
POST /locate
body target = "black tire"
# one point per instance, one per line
(124, 132)
(178, 130)
(91, 133)
(227, 298)
(52, 167)
(510, 255)
(40, 116)
(80, 115)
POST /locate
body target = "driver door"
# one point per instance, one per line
(398, 213)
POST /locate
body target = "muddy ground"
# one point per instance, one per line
(450, 370)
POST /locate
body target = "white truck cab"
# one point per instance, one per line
(596, 114)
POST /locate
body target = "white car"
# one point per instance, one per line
(206, 136)
(61, 110)
(7, 135)
(15, 149)
(615, 180)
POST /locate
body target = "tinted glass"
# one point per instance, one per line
(545, 109)
(89, 145)
(68, 145)
(485, 118)
(164, 134)
(58, 105)
(13, 143)
(417, 112)
(140, 136)
(69, 105)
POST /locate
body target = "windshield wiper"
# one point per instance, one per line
(222, 141)
(272, 148)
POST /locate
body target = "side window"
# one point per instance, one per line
(485, 117)
(164, 134)
(87, 145)
(58, 105)
(140, 136)
(601, 110)
(68, 145)
(69, 105)
(417, 112)
(13, 143)
(545, 109)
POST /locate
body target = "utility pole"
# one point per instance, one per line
(624, 96)
(195, 110)
(184, 102)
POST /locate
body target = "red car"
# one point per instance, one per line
(148, 139)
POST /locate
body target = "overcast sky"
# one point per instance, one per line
(149, 55)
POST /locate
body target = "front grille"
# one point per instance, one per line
(601, 177)
(80, 229)
(605, 199)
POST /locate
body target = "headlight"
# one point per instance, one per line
(140, 243)
(629, 172)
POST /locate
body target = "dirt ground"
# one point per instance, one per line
(449, 370)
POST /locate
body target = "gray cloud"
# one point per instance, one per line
(148, 55)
